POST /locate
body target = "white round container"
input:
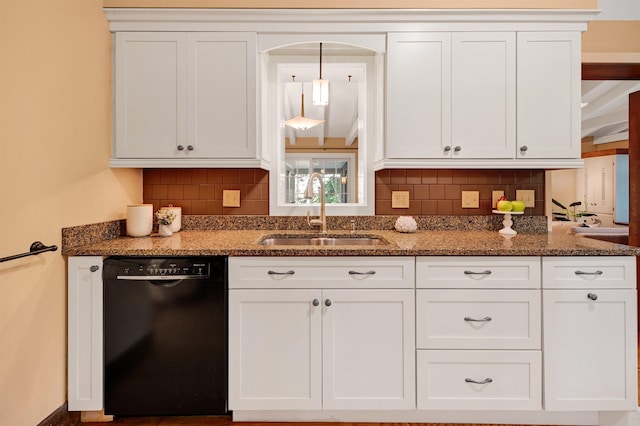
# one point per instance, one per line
(177, 222)
(139, 220)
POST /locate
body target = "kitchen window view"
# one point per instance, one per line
(338, 178)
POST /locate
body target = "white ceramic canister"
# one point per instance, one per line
(177, 222)
(139, 220)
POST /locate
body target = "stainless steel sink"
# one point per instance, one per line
(315, 240)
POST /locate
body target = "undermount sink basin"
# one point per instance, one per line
(316, 240)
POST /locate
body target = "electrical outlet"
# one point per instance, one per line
(526, 195)
(470, 199)
(495, 197)
(231, 198)
(399, 199)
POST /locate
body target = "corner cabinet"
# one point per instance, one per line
(84, 307)
(483, 99)
(321, 334)
(185, 99)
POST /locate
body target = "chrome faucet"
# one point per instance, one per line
(308, 193)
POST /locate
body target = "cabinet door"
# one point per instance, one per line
(274, 350)
(368, 349)
(590, 350)
(150, 94)
(221, 95)
(84, 381)
(483, 95)
(548, 95)
(418, 95)
(599, 181)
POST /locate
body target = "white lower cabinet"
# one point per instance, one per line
(479, 380)
(323, 348)
(478, 333)
(590, 333)
(499, 339)
(85, 362)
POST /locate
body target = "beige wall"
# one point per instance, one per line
(611, 41)
(55, 132)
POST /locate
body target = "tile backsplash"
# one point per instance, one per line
(431, 191)
(199, 191)
(438, 191)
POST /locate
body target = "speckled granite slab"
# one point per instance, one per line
(213, 239)
(87, 234)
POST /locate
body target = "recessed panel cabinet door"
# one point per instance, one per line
(549, 95)
(590, 350)
(483, 95)
(418, 95)
(221, 95)
(150, 94)
(275, 350)
(368, 349)
(85, 348)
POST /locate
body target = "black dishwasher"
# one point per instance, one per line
(165, 336)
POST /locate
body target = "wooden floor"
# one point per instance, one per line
(226, 421)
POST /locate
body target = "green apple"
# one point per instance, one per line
(518, 205)
(504, 205)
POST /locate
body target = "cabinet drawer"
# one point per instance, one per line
(589, 272)
(322, 272)
(506, 380)
(478, 319)
(478, 272)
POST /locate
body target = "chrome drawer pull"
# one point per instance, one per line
(484, 382)
(281, 273)
(588, 273)
(468, 272)
(485, 319)
(362, 273)
(592, 296)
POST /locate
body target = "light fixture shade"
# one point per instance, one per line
(321, 92)
(302, 123)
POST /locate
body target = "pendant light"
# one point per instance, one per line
(301, 122)
(321, 87)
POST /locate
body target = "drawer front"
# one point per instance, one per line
(478, 319)
(479, 380)
(478, 272)
(322, 272)
(589, 272)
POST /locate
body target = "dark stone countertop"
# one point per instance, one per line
(420, 243)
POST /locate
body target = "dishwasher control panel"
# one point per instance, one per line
(161, 268)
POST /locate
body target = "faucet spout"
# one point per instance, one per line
(308, 193)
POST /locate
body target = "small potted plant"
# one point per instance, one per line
(165, 218)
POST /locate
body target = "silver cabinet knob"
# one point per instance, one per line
(94, 268)
(457, 148)
(327, 302)
(315, 302)
(180, 148)
(447, 148)
(523, 148)
(592, 296)
(189, 147)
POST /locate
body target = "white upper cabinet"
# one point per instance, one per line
(483, 95)
(418, 95)
(548, 74)
(483, 99)
(185, 99)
